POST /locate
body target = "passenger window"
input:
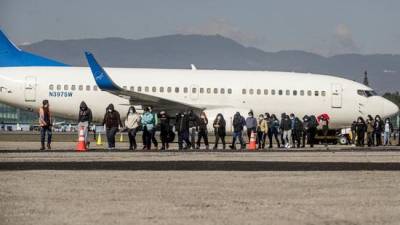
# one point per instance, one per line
(244, 91)
(287, 92)
(132, 88)
(229, 91)
(73, 87)
(222, 91)
(185, 90)
(58, 87)
(139, 89)
(208, 90)
(87, 87)
(280, 92)
(161, 89)
(51, 86)
(265, 91)
(273, 91)
(215, 90)
(316, 93)
(201, 90)
(66, 87)
(251, 91)
(323, 93)
(146, 89)
(124, 87)
(94, 88)
(258, 92)
(194, 90)
(176, 90)
(302, 92)
(169, 89)
(294, 92)
(154, 89)
(81, 87)
(309, 93)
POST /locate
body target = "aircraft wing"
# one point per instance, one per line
(105, 83)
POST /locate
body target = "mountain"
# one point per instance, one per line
(218, 52)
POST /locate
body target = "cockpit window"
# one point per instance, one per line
(366, 93)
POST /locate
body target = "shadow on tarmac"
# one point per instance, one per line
(202, 166)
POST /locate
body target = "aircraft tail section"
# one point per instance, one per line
(11, 56)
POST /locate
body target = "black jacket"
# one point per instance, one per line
(164, 122)
(286, 124)
(221, 131)
(112, 119)
(182, 123)
(85, 114)
(238, 123)
(379, 126)
(202, 123)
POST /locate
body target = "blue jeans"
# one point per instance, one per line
(386, 138)
(43, 131)
(237, 135)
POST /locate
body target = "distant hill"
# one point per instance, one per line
(217, 52)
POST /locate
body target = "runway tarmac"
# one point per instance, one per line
(339, 185)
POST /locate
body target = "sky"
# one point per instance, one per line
(319, 26)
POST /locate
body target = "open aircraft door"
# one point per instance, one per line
(30, 89)
(336, 93)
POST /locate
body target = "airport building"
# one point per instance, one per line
(12, 115)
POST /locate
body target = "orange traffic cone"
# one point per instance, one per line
(81, 146)
(252, 144)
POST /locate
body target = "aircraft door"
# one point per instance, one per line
(30, 89)
(336, 93)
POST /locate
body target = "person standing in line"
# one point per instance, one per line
(324, 121)
(312, 130)
(293, 121)
(153, 131)
(262, 129)
(353, 132)
(84, 120)
(388, 129)
(286, 127)
(378, 129)
(297, 132)
(361, 127)
(132, 123)
(45, 123)
(182, 127)
(268, 119)
(274, 130)
(193, 127)
(219, 130)
(251, 124)
(370, 131)
(306, 126)
(112, 122)
(202, 130)
(164, 129)
(238, 125)
(148, 126)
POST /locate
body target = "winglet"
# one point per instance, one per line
(103, 80)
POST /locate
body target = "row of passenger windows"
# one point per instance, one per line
(194, 90)
(280, 92)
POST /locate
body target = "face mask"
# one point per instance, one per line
(202, 116)
(109, 110)
(219, 117)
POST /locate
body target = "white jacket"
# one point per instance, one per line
(132, 121)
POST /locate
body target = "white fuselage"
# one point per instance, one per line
(273, 92)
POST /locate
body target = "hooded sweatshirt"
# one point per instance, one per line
(85, 114)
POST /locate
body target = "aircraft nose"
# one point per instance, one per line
(390, 109)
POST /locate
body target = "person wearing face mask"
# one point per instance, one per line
(306, 126)
(388, 129)
(84, 120)
(164, 129)
(219, 130)
(148, 123)
(370, 131)
(251, 124)
(378, 129)
(361, 127)
(286, 127)
(275, 126)
(182, 127)
(202, 130)
(153, 131)
(238, 124)
(45, 122)
(132, 123)
(262, 129)
(112, 122)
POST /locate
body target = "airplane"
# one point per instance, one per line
(27, 79)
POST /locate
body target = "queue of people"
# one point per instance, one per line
(288, 132)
